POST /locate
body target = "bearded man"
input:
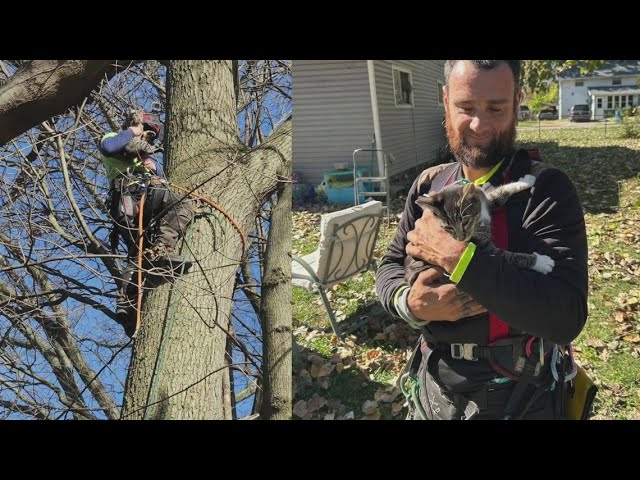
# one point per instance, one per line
(492, 333)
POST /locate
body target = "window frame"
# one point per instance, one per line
(402, 70)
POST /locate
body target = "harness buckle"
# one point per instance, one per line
(463, 351)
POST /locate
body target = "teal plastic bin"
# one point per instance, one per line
(339, 186)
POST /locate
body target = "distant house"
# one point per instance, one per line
(612, 87)
(342, 105)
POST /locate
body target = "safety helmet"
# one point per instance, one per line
(151, 123)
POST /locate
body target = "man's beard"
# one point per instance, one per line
(481, 157)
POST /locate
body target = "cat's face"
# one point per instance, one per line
(458, 207)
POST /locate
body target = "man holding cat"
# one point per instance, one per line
(488, 332)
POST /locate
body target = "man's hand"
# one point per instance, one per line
(150, 164)
(137, 129)
(428, 241)
(431, 301)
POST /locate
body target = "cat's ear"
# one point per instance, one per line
(432, 201)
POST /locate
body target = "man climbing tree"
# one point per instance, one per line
(57, 270)
(143, 209)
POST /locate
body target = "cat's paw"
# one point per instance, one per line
(544, 264)
(530, 180)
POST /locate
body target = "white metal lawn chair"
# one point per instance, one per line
(347, 242)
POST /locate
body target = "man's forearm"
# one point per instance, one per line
(389, 278)
(547, 306)
(115, 144)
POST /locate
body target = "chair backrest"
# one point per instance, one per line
(347, 241)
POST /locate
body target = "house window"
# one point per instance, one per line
(623, 101)
(609, 101)
(402, 87)
(439, 86)
(616, 101)
(599, 103)
(579, 83)
(616, 81)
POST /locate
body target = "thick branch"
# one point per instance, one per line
(45, 88)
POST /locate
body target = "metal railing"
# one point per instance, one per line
(382, 179)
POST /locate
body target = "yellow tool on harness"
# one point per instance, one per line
(579, 395)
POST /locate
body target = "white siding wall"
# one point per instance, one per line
(413, 135)
(331, 114)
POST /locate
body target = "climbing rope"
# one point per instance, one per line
(412, 393)
(220, 209)
(140, 245)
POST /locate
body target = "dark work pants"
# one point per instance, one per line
(165, 220)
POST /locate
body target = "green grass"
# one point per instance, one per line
(606, 172)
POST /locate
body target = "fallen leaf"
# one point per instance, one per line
(369, 407)
(300, 408)
(330, 416)
(634, 338)
(305, 376)
(618, 315)
(336, 358)
(316, 403)
(595, 343)
(373, 416)
(316, 360)
(321, 370)
(324, 383)
(300, 330)
(387, 395)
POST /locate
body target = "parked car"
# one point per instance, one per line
(580, 113)
(524, 113)
(550, 113)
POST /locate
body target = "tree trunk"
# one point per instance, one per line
(178, 360)
(275, 314)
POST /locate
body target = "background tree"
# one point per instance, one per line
(540, 100)
(60, 355)
(539, 75)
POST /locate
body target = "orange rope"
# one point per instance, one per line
(141, 239)
(140, 242)
(220, 209)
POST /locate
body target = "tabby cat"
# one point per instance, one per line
(141, 144)
(464, 210)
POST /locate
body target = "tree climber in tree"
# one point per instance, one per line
(136, 181)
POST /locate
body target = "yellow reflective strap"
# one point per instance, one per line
(463, 263)
(485, 178)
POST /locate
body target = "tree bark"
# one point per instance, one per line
(44, 88)
(178, 361)
(275, 314)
